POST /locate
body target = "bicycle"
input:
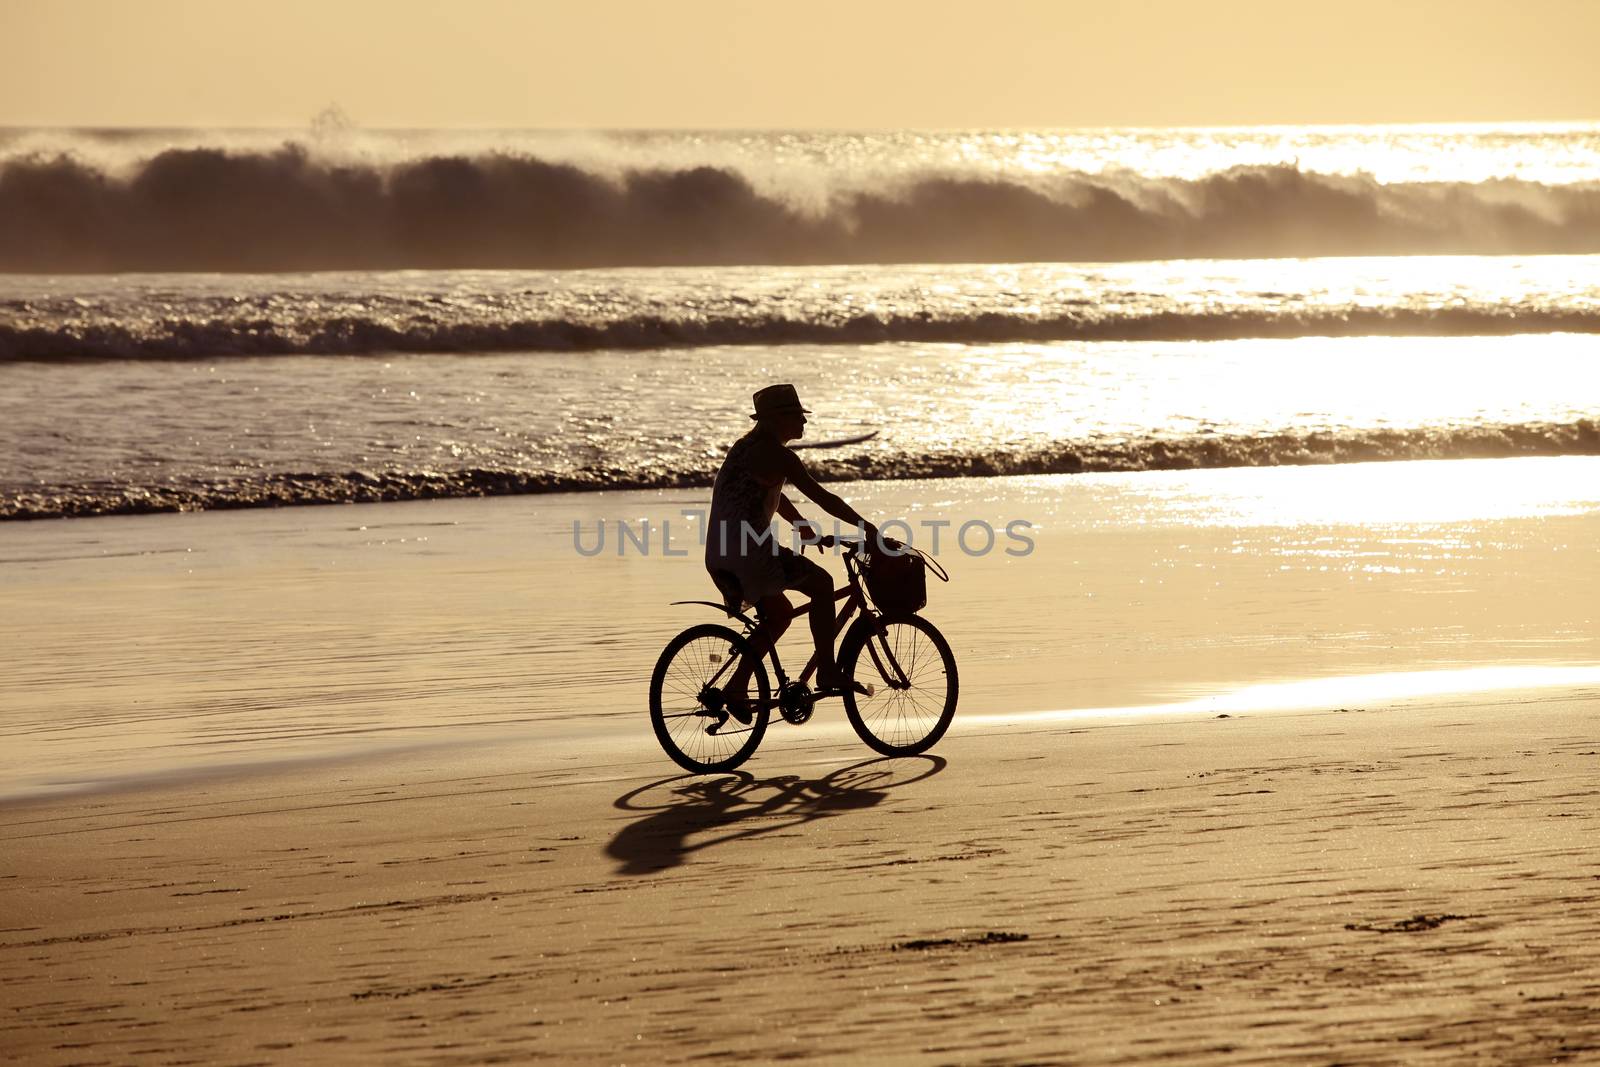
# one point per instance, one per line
(900, 696)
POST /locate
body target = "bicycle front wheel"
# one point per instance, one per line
(908, 665)
(686, 700)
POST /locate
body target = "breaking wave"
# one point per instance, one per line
(355, 336)
(289, 209)
(1187, 453)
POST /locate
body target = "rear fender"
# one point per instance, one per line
(741, 616)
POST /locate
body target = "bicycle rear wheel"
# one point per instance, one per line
(912, 672)
(686, 700)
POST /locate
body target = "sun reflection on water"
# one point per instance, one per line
(1378, 494)
(1343, 692)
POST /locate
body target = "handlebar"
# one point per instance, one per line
(853, 544)
(846, 544)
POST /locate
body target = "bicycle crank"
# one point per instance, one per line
(796, 701)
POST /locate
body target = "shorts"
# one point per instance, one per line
(761, 574)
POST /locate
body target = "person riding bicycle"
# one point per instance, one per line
(742, 554)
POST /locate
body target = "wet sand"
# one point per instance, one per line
(145, 646)
(375, 784)
(1396, 883)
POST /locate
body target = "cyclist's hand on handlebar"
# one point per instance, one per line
(810, 534)
(835, 541)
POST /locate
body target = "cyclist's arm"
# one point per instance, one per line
(810, 532)
(801, 479)
(790, 512)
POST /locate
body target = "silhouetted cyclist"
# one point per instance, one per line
(742, 553)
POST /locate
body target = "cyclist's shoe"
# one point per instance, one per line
(837, 686)
(739, 707)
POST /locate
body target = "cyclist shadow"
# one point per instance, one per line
(738, 805)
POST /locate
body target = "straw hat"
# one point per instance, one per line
(778, 400)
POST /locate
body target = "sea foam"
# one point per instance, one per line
(297, 207)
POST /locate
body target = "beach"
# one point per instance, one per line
(1252, 765)
(1398, 883)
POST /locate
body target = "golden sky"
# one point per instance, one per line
(797, 63)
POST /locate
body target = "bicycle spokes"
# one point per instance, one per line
(689, 697)
(883, 658)
(918, 672)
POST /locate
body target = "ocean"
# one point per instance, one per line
(214, 319)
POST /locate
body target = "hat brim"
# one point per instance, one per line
(782, 411)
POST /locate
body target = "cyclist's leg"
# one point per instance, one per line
(776, 613)
(811, 579)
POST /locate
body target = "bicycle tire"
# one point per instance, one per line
(909, 720)
(679, 716)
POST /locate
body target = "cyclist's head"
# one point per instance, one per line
(779, 410)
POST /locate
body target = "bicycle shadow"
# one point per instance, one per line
(743, 806)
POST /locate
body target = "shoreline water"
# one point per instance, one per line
(152, 643)
(268, 431)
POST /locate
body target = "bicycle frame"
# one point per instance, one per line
(854, 600)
